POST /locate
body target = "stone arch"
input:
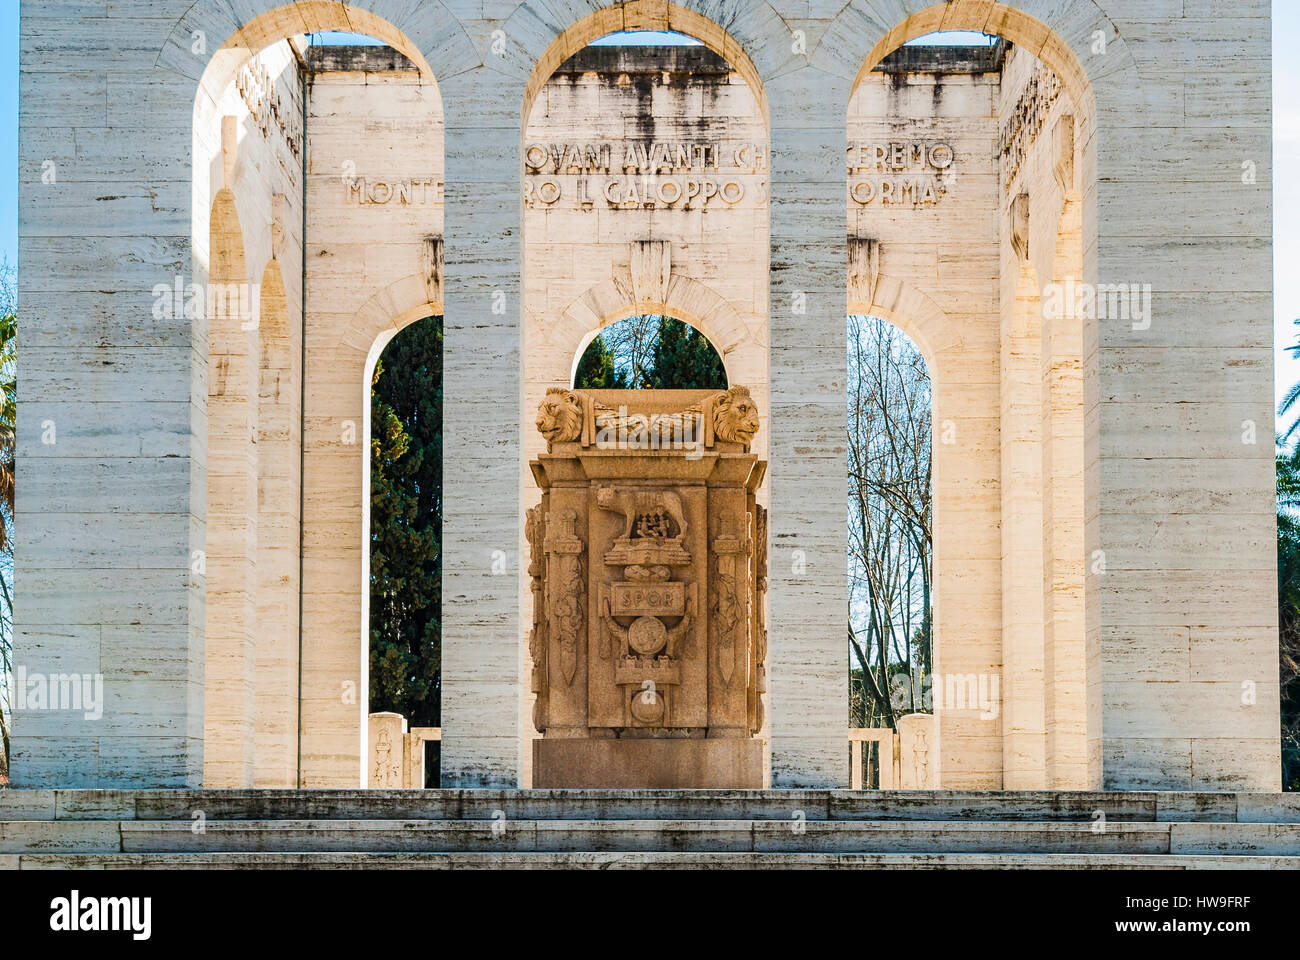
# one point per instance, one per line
(684, 298)
(371, 328)
(319, 742)
(911, 311)
(397, 305)
(1041, 560)
(763, 50)
(866, 31)
(962, 527)
(428, 34)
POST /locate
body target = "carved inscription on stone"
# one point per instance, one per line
(638, 175)
(910, 174)
(1026, 121)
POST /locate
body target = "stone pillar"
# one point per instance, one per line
(482, 524)
(808, 660)
(1024, 760)
(279, 438)
(110, 440)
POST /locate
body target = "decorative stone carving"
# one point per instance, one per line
(535, 531)
(729, 605)
(559, 419)
(1063, 165)
(759, 687)
(1020, 226)
(387, 736)
(918, 738)
(566, 588)
(648, 515)
(664, 688)
(864, 270)
(1026, 121)
(735, 417)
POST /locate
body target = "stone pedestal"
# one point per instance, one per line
(649, 569)
(731, 764)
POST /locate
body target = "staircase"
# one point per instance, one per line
(43, 829)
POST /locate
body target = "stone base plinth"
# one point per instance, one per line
(648, 764)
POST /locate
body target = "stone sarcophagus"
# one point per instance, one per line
(648, 566)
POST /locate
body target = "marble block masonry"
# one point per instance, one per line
(1074, 226)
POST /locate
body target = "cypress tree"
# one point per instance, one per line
(406, 526)
(597, 370)
(684, 359)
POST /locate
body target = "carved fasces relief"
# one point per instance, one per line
(535, 531)
(729, 604)
(566, 594)
(759, 685)
(387, 735)
(918, 735)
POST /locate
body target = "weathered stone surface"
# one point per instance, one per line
(648, 566)
(1106, 507)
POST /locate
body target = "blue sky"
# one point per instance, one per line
(1286, 166)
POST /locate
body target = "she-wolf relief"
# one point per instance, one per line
(649, 567)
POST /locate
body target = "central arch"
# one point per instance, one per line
(630, 17)
(646, 251)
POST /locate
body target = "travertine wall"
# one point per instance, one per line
(249, 143)
(1052, 738)
(1178, 656)
(923, 182)
(374, 208)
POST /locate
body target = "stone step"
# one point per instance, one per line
(637, 861)
(115, 805)
(648, 836)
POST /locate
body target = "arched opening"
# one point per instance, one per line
(890, 537)
(645, 183)
(971, 229)
(405, 542)
(649, 352)
(287, 696)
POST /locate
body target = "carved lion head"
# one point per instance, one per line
(559, 418)
(735, 416)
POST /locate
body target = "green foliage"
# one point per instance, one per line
(597, 369)
(683, 359)
(650, 353)
(1288, 610)
(406, 526)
